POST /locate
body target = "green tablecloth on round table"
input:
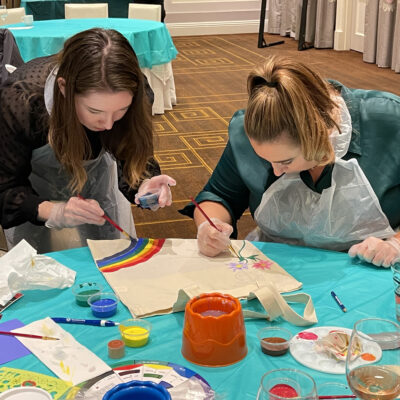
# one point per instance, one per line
(150, 40)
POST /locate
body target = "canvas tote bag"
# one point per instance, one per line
(158, 276)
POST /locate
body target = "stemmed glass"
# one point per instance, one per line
(284, 383)
(3, 13)
(373, 359)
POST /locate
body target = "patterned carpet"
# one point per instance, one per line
(210, 76)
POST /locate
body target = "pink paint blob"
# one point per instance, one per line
(283, 390)
(307, 336)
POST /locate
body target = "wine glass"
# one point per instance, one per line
(3, 13)
(373, 359)
(284, 383)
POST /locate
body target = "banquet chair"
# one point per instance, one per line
(14, 15)
(145, 11)
(94, 10)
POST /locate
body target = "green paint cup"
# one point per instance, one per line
(82, 292)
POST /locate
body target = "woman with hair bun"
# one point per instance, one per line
(316, 162)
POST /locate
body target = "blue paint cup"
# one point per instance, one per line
(104, 304)
(149, 200)
(137, 390)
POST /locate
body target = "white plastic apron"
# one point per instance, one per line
(344, 214)
(50, 180)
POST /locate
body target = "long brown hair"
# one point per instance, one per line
(287, 96)
(98, 60)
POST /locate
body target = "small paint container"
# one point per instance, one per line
(103, 304)
(149, 200)
(274, 341)
(116, 348)
(135, 332)
(138, 390)
(82, 292)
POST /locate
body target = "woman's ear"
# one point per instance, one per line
(61, 85)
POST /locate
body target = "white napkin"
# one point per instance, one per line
(23, 269)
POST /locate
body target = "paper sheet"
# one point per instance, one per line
(11, 347)
(66, 357)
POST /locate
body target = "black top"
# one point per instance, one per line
(24, 125)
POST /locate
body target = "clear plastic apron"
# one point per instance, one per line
(50, 180)
(344, 214)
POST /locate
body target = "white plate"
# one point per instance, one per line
(25, 393)
(303, 350)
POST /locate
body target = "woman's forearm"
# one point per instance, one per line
(44, 210)
(213, 210)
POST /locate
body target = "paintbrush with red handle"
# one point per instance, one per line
(114, 224)
(28, 335)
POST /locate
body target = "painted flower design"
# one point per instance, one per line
(263, 264)
(238, 265)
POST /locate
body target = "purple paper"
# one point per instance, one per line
(11, 347)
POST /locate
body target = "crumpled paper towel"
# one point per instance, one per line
(23, 269)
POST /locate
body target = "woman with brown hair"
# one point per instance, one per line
(317, 164)
(76, 124)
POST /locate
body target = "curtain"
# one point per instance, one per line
(382, 33)
(284, 19)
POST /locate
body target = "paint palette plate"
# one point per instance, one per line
(178, 380)
(302, 347)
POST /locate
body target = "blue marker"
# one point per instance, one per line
(94, 322)
(339, 303)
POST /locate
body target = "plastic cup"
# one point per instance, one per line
(82, 292)
(274, 341)
(333, 390)
(285, 383)
(103, 304)
(396, 280)
(27, 20)
(135, 332)
(150, 200)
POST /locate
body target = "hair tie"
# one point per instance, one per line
(271, 84)
(259, 81)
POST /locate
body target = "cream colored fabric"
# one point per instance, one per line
(14, 15)
(96, 10)
(165, 282)
(145, 11)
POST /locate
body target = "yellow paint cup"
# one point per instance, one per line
(135, 332)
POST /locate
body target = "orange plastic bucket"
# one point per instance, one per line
(214, 334)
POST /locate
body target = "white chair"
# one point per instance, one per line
(95, 10)
(145, 11)
(14, 15)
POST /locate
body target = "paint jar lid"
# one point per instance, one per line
(116, 348)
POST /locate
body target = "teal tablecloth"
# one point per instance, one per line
(150, 39)
(364, 289)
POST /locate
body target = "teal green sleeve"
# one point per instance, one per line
(240, 177)
(225, 187)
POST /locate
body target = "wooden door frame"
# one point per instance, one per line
(344, 14)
